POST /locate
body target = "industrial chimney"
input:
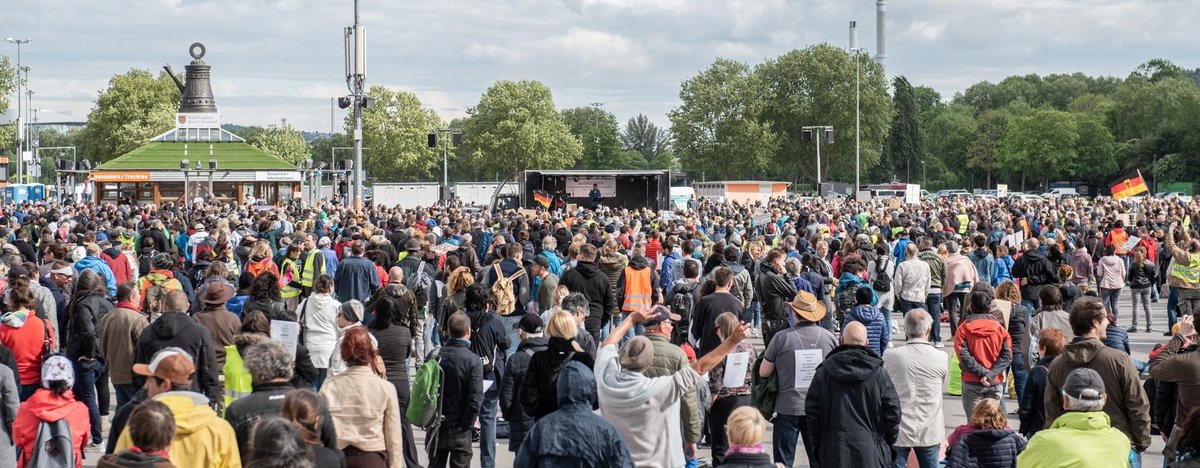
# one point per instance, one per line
(880, 54)
(853, 35)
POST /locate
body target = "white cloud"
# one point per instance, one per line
(602, 50)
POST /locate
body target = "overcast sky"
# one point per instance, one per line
(283, 59)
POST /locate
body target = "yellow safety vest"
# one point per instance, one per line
(1189, 273)
(288, 290)
(963, 222)
(238, 382)
(637, 289)
(308, 274)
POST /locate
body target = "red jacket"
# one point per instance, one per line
(984, 347)
(44, 405)
(119, 264)
(653, 246)
(26, 345)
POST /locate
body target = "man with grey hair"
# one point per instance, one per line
(1082, 436)
(918, 370)
(270, 366)
(576, 304)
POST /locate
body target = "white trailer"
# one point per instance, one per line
(480, 193)
(410, 195)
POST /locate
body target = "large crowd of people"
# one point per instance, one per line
(226, 336)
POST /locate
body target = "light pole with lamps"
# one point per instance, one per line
(20, 121)
(807, 136)
(60, 166)
(456, 139)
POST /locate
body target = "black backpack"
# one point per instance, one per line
(683, 304)
(487, 354)
(883, 280)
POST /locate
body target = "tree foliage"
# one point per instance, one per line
(905, 144)
(515, 127)
(1042, 145)
(135, 107)
(718, 131)
(395, 137)
(652, 143)
(286, 143)
(816, 86)
(598, 131)
(7, 84)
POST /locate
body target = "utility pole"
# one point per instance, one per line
(356, 79)
(20, 121)
(435, 137)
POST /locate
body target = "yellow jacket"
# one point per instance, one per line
(202, 439)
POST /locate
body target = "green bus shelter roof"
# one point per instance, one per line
(165, 156)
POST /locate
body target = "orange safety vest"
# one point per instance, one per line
(637, 289)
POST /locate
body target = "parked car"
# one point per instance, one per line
(1061, 193)
(952, 193)
(1174, 196)
(1024, 197)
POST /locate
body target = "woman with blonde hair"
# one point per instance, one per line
(456, 296)
(260, 260)
(986, 440)
(745, 429)
(539, 392)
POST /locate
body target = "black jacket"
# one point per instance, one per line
(747, 460)
(178, 330)
(60, 298)
(487, 328)
(1036, 269)
(511, 408)
(267, 400)
(83, 328)
(852, 409)
(1142, 277)
(1032, 409)
(395, 345)
(539, 393)
(462, 385)
(121, 418)
(574, 435)
(587, 278)
(775, 291)
(993, 448)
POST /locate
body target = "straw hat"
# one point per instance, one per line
(807, 307)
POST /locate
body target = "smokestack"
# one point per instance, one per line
(853, 35)
(880, 54)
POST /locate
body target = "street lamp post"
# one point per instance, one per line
(20, 121)
(857, 119)
(807, 134)
(59, 166)
(456, 139)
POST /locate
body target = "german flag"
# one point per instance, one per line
(1129, 187)
(542, 198)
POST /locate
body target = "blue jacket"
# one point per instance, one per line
(331, 261)
(556, 263)
(1002, 270)
(573, 435)
(986, 447)
(1117, 339)
(356, 279)
(984, 263)
(878, 331)
(899, 253)
(236, 304)
(1032, 409)
(101, 268)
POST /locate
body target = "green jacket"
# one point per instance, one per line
(668, 359)
(1077, 440)
(937, 268)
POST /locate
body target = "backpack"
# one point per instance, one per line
(154, 298)
(425, 401)
(53, 448)
(502, 290)
(486, 356)
(845, 302)
(883, 280)
(419, 283)
(764, 391)
(682, 304)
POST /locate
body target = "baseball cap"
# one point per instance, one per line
(172, 364)
(1084, 384)
(324, 241)
(662, 314)
(542, 261)
(531, 323)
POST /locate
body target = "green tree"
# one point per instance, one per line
(51, 138)
(816, 86)
(395, 137)
(905, 143)
(983, 151)
(947, 136)
(7, 84)
(515, 127)
(597, 129)
(135, 107)
(653, 143)
(1042, 144)
(1096, 149)
(1143, 106)
(716, 128)
(285, 143)
(323, 149)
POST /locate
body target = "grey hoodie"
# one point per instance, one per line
(641, 407)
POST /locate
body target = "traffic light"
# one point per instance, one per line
(829, 136)
(433, 140)
(457, 139)
(806, 135)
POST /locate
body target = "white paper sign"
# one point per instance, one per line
(1131, 243)
(735, 369)
(912, 194)
(287, 333)
(807, 361)
(1001, 190)
(487, 384)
